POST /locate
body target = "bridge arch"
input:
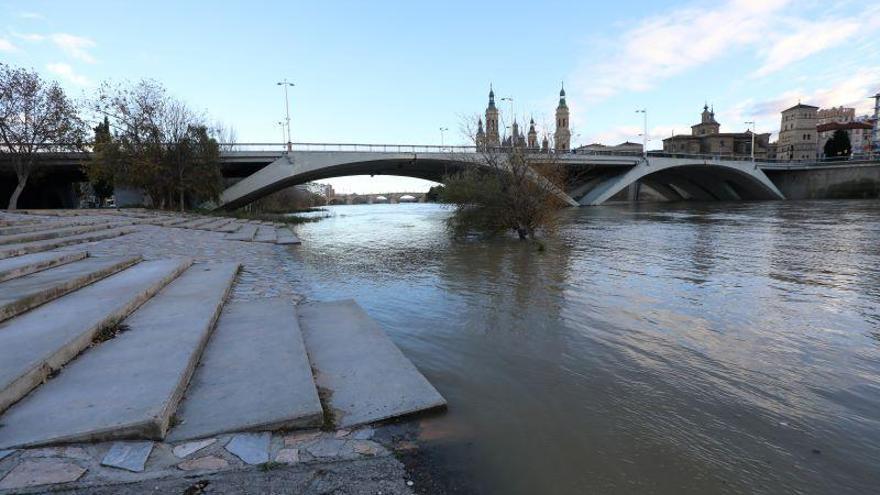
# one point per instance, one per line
(678, 179)
(302, 167)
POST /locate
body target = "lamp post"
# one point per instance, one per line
(281, 125)
(751, 125)
(644, 112)
(442, 130)
(285, 84)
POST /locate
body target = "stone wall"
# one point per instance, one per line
(832, 182)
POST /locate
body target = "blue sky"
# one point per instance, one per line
(395, 72)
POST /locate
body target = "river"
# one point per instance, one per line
(667, 349)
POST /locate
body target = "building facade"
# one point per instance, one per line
(860, 135)
(489, 136)
(797, 133)
(706, 138)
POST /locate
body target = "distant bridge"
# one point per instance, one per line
(593, 177)
(392, 198)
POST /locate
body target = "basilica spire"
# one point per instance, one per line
(562, 137)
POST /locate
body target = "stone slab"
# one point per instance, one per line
(131, 456)
(21, 294)
(230, 227)
(207, 463)
(196, 223)
(185, 449)
(266, 234)
(40, 246)
(252, 448)
(216, 224)
(41, 472)
(20, 266)
(60, 231)
(254, 375)
(6, 453)
(128, 387)
(366, 377)
(286, 236)
(245, 233)
(44, 339)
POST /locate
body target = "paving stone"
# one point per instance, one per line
(363, 434)
(41, 472)
(185, 449)
(252, 448)
(69, 452)
(368, 448)
(326, 447)
(207, 463)
(287, 456)
(131, 456)
(341, 433)
(301, 437)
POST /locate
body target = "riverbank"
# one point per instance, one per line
(356, 460)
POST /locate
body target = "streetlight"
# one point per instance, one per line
(751, 125)
(285, 84)
(442, 130)
(644, 112)
(281, 125)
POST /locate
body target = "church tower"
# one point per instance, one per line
(533, 135)
(492, 136)
(480, 138)
(563, 133)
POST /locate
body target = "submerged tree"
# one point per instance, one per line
(35, 117)
(158, 145)
(511, 188)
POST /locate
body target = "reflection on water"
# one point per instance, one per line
(713, 348)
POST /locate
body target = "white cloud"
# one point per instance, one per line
(66, 72)
(30, 15)
(75, 46)
(6, 45)
(666, 45)
(32, 37)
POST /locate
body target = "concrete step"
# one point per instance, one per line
(46, 245)
(196, 223)
(38, 342)
(128, 387)
(28, 292)
(215, 224)
(232, 226)
(254, 375)
(286, 236)
(34, 227)
(245, 233)
(61, 231)
(266, 234)
(365, 376)
(20, 266)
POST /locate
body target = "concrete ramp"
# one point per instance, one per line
(40, 246)
(20, 266)
(361, 374)
(127, 387)
(254, 375)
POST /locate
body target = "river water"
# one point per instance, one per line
(669, 349)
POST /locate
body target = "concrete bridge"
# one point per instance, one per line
(594, 178)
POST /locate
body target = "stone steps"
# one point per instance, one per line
(365, 376)
(245, 233)
(216, 224)
(286, 237)
(40, 246)
(25, 293)
(231, 227)
(196, 223)
(58, 232)
(20, 266)
(254, 375)
(266, 234)
(38, 342)
(128, 387)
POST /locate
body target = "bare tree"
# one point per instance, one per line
(35, 117)
(506, 188)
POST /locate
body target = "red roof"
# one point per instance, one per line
(833, 126)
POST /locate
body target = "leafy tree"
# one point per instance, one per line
(35, 117)
(105, 155)
(434, 194)
(838, 144)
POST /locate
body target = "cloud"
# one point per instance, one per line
(30, 15)
(67, 73)
(674, 42)
(807, 39)
(6, 45)
(75, 46)
(32, 37)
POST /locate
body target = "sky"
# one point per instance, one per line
(398, 72)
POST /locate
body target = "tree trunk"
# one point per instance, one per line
(13, 200)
